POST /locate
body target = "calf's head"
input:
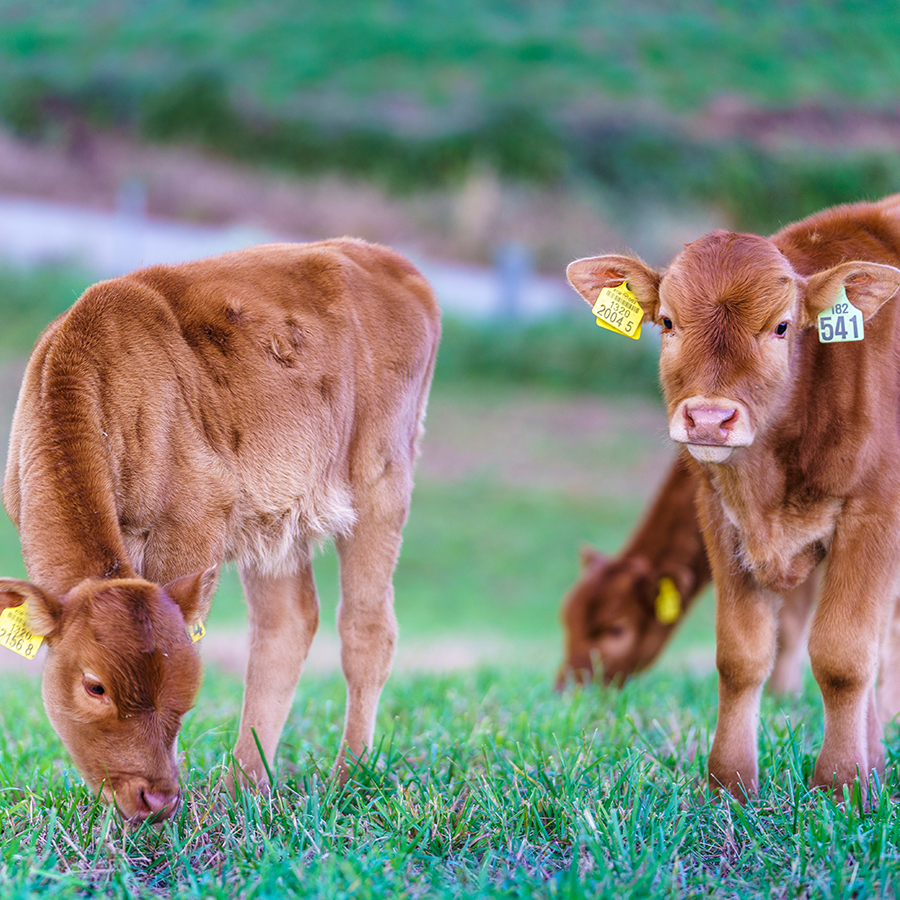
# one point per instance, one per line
(730, 307)
(120, 674)
(610, 617)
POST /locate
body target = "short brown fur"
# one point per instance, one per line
(797, 447)
(244, 407)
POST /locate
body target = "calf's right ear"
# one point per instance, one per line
(590, 275)
(44, 611)
(868, 287)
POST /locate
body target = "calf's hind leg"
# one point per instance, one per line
(284, 616)
(366, 622)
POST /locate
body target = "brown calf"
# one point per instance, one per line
(621, 612)
(797, 447)
(244, 407)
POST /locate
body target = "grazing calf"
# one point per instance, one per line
(621, 612)
(797, 448)
(244, 407)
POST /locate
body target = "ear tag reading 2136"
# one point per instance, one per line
(618, 310)
(843, 322)
(15, 634)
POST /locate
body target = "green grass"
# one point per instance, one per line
(485, 784)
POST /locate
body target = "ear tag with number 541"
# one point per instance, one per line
(843, 322)
(618, 310)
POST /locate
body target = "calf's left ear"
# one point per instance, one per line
(868, 285)
(193, 594)
(44, 611)
(590, 275)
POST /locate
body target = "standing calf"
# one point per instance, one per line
(797, 446)
(244, 407)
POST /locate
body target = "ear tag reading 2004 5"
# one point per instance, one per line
(618, 310)
(15, 634)
(843, 322)
(196, 631)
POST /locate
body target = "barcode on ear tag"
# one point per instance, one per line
(15, 634)
(196, 631)
(618, 310)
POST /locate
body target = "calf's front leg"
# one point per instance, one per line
(746, 633)
(284, 616)
(845, 641)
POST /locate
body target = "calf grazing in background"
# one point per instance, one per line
(621, 612)
(797, 448)
(243, 407)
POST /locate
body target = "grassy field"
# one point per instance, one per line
(485, 784)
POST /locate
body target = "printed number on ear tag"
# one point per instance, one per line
(196, 631)
(618, 310)
(843, 322)
(15, 634)
(668, 602)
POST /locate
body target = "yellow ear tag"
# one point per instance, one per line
(15, 634)
(668, 602)
(843, 322)
(618, 310)
(196, 631)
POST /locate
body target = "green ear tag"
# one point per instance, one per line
(15, 634)
(618, 310)
(843, 322)
(668, 602)
(196, 631)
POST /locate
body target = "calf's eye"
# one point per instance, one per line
(94, 688)
(667, 323)
(781, 329)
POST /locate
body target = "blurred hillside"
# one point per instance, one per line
(631, 116)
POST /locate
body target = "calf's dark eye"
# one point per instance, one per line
(781, 329)
(667, 323)
(94, 688)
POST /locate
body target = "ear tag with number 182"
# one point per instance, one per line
(843, 322)
(618, 310)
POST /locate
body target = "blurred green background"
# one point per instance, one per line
(453, 130)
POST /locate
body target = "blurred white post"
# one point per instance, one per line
(131, 218)
(513, 266)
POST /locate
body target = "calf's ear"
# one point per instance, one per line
(193, 594)
(588, 556)
(590, 275)
(44, 611)
(868, 285)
